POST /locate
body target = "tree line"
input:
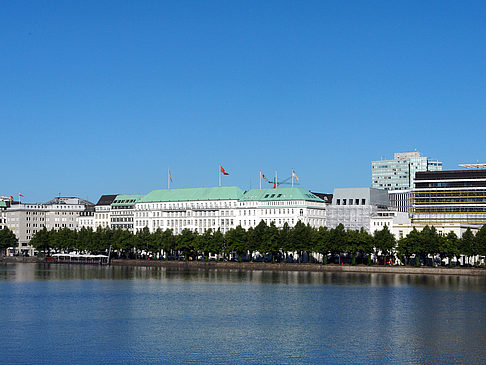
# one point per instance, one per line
(301, 243)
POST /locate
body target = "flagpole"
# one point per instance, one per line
(219, 175)
(168, 177)
(292, 177)
(260, 179)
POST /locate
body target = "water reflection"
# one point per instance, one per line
(35, 272)
(149, 314)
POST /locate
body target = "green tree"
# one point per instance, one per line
(300, 238)
(86, 239)
(449, 247)
(365, 244)
(236, 240)
(123, 242)
(352, 244)
(168, 242)
(7, 239)
(64, 239)
(384, 242)
(284, 239)
(323, 241)
(252, 241)
(41, 241)
(429, 242)
(185, 243)
(143, 240)
(217, 242)
(480, 241)
(409, 246)
(338, 239)
(203, 243)
(270, 242)
(467, 245)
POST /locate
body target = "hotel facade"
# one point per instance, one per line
(224, 208)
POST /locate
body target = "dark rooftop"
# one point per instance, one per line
(106, 199)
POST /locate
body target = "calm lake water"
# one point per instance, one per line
(91, 314)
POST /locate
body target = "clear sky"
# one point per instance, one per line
(101, 97)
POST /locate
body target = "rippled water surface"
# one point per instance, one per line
(91, 314)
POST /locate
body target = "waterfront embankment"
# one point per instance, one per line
(262, 266)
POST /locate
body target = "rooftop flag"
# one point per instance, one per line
(222, 170)
(169, 178)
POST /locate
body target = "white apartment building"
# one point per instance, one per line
(103, 211)
(223, 208)
(122, 211)
(25, 219)
(86, 218)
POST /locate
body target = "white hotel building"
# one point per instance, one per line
(200, 209)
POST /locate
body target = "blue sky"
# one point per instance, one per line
(101, 97)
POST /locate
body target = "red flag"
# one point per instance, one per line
(170, 176)
(21, 195)
(222, 170)
(11, 197)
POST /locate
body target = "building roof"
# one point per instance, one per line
(279, 195)
(106, 199)
(326, 197)
(68, 200)
(126, 199)
(193, 194)
(450, 174)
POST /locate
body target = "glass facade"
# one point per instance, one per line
(450, 197)
(399, 173)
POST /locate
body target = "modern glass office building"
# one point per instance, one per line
(457, 196)
(399, 173)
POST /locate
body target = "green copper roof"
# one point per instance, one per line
(3, 204)
(126, 199)
(279, 195)
(193, 194)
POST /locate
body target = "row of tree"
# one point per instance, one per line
(301, 243)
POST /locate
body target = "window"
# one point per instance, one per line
(338, 201)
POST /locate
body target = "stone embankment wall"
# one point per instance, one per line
(21, 259)
(197, 265)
